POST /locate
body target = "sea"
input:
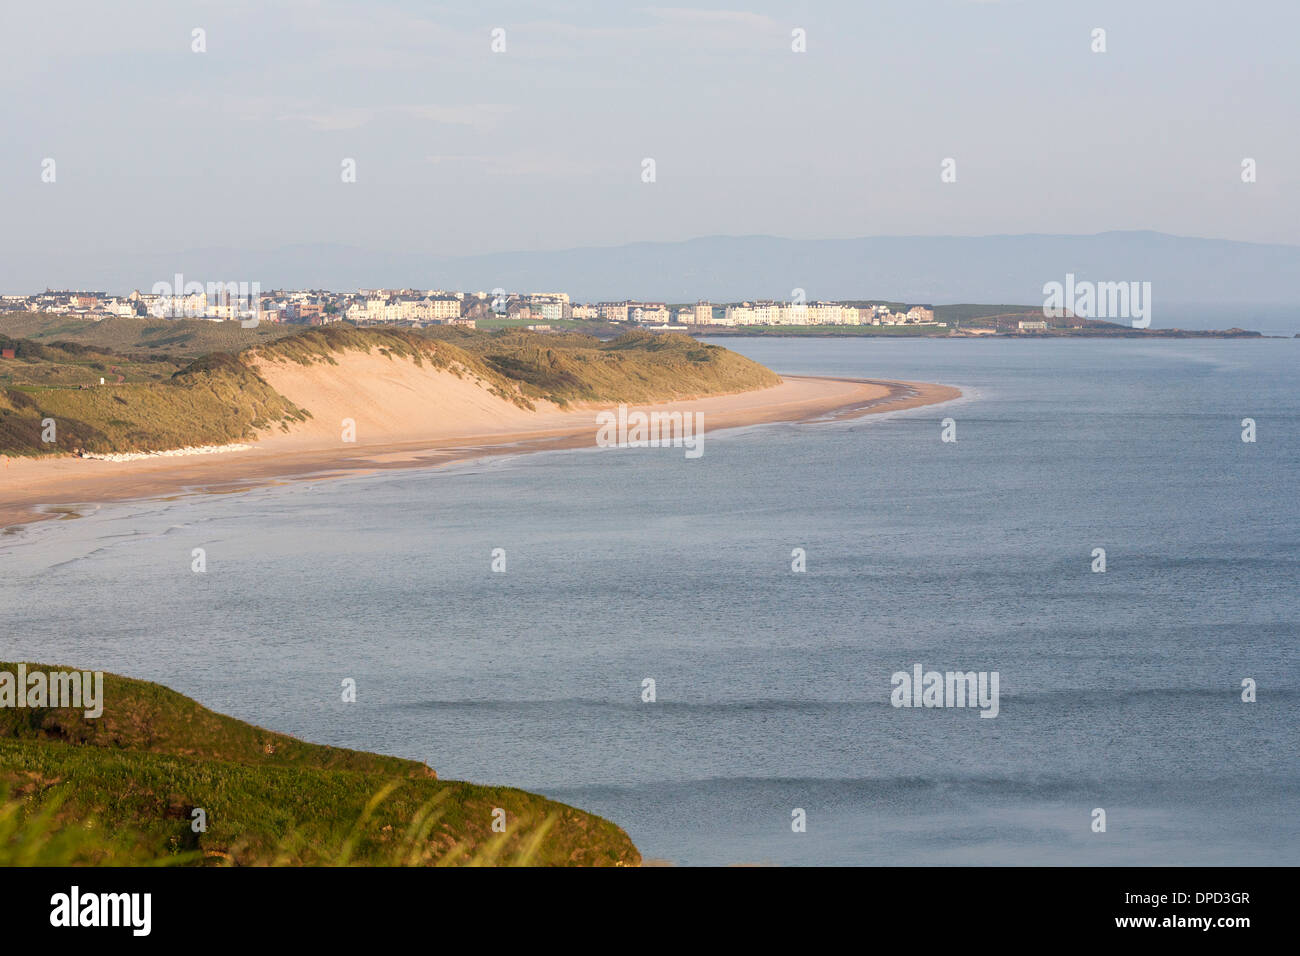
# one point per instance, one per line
(1148, 713)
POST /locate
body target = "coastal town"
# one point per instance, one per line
(540, 311)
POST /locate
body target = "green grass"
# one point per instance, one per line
(813, 331)
(71, 365)
(121, 789)
(216, 402)
(987, 316)
(636, 367)
(186, 338)
(571, 325)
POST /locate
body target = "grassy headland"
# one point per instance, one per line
(152, 400)
(122, 789)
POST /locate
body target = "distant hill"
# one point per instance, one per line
(1196, 283)
(121, 789)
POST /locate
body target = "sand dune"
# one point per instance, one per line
(390, 400)
(396, 401)
(406, 415)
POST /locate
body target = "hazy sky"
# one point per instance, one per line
(460, 149)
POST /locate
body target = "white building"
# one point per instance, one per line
(443, 308)
(651, 315)
(613, 311)
(552, 310)
(742, 314)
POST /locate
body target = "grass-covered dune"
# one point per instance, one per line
(636, 367)
(220, 398)
(214, 401)
(121, 789)
(138, 336)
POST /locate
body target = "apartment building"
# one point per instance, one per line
(742, 314)
(551, 310)
(650, 313)
(613, 311)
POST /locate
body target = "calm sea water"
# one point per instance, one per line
(1118, 690)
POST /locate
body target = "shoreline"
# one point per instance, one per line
(979, 332)
(42, 489)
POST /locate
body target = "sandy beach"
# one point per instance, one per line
(394, 430)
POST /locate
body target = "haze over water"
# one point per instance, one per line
(1118, 690)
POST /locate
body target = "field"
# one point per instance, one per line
(865, 331)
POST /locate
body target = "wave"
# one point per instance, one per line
(1229, 694)
(854, 788)
(168, 453)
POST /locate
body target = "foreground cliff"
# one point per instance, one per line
(157, 778)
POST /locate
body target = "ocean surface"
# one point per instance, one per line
(1118, 690)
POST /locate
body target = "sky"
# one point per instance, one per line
(460, 149)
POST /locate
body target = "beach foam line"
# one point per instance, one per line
(169, 453)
